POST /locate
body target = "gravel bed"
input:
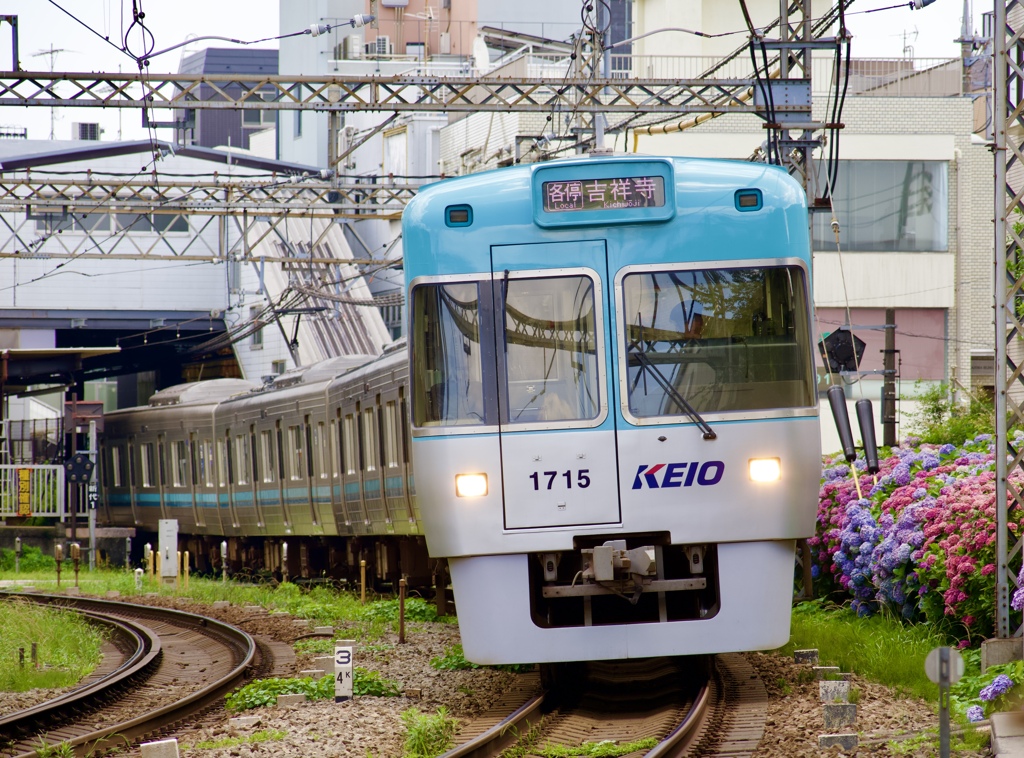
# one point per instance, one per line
(372, 726)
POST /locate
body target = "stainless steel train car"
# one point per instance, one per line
(318, 458)
(615, 422)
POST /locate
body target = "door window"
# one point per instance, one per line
(550, 344)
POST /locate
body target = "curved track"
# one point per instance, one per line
(173, 665)
(690, 706)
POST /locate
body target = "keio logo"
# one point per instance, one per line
(664, 475)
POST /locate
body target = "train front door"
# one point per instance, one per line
(558, 441)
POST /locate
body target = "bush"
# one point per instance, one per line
(416, 609)
(32, 559)
(264, 692)
(939, 419)
(921, 541)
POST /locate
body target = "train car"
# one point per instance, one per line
(317, 458)
(614, 417)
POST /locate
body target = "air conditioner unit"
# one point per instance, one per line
(353, 47)
(379, 47)
(86, 131)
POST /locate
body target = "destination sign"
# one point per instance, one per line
(604, 194)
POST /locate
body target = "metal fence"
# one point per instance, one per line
(32, 491)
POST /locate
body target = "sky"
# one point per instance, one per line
(43, 25)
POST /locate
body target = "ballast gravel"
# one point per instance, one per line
(371, 727)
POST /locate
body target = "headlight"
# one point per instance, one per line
(765, 469)
(471, 485)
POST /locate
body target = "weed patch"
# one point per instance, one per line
(428, 735)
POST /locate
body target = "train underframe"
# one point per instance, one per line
(311, 559)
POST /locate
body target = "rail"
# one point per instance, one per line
(177, 628)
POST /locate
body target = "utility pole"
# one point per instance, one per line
(889, 380)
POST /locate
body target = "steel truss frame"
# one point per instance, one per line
(411, 93)
(1008, 123)
(582, 93)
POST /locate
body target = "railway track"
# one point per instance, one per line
(171, 665)
(691, 706)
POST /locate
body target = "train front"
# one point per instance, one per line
(615, 425)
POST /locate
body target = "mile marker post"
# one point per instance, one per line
(944, 666)
(343, 668)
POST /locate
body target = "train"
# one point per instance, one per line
(604, 422)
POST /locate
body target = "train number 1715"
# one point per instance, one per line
(551, 479)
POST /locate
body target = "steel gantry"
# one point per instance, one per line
(1008, 123)
(778, 90)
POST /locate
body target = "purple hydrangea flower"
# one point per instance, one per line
(999, 686)
(975, 713)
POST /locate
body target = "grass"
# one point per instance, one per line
(68, 647)
(264, 735)
(879, 647)
(889, 651)
(321, 605)
(428, 735)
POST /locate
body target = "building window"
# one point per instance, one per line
(146, 223)
(888, 206)
(278, 367)
(298, 124)
(256, 338)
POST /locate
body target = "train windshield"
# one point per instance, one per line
(447, 370)
(724, 339)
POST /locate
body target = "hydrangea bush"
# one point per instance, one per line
(920, 542)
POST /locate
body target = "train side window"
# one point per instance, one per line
(294, 453)
(179, 463)
(349, 445)
(447, 355)
(279, 435)
(335, 462)
(161, 461)
(253, 453)
(391, 435)
(132, 466)
(311, 451)
(147, 463)
(369, 441)
(323, 456)
(223, 462)
(193, 452)
(206, 463)
(242, 462)
(267, 455)
(115, 465)
(403, 414)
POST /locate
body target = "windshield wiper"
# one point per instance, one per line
(672, 392)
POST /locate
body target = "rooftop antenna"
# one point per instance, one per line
(52, 52)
